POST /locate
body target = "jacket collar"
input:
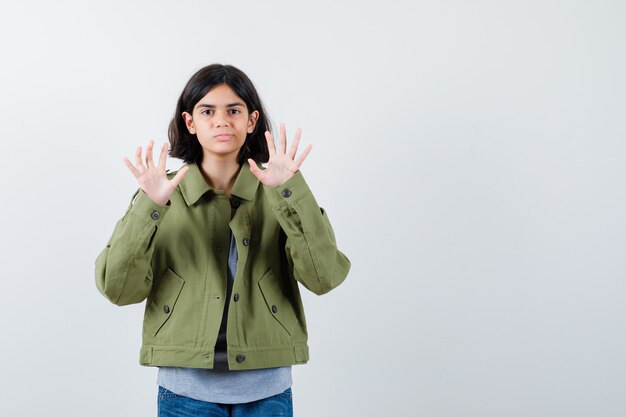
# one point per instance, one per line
(193, 186)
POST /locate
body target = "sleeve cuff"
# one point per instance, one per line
(147, 210)
(288, 193)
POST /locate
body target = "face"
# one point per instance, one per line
(220, 121)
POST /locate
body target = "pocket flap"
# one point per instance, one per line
(161, 306)
(277, 302)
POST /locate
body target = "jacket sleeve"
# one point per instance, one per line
(123, 272)
(311, 248)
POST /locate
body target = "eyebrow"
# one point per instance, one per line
(211, 106)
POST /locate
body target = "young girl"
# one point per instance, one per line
(217, 249)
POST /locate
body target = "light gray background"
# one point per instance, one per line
(471, 156)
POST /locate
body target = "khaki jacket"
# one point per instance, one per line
(175, 256)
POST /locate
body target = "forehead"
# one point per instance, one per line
(220, 95)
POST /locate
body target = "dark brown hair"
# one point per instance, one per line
(185, 146)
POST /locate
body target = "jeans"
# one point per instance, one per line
(174, 405)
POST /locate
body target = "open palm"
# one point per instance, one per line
(282, 164)
(152, 178)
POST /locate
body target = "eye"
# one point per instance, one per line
(234, 111)
(207, 111)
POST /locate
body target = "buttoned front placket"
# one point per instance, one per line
(240, 225)
(219, 211)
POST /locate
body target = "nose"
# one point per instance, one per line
(221, 119)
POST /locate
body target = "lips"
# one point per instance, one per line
(224, 136)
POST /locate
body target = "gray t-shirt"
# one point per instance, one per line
(223, 386)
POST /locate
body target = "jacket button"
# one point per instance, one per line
(154, 215)
(246, 241)
(274, 309)
(236, 297)
(166, 309)
(240, 358)
(286, 193)
(235, 202)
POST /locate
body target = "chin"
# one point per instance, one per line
(221, 152)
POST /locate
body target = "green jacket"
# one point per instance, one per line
(175, 256)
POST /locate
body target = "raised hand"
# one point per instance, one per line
(282, 164)
(152, 178)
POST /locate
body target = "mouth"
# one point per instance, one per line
(223, 136)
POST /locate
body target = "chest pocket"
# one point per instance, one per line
(162, 305)
(277, 302)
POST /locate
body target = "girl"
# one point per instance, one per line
(217, 249)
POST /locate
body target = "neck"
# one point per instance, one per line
(220, 173)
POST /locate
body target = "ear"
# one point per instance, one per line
(189, 123)
(252, 119)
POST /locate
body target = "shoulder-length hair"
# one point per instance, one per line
(185, 145)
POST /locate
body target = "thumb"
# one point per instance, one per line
(254, 168)
(179, 176)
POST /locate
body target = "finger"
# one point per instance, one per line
(303, 156)
(139, 160)
(179, 176)
(163, 157)
(254, 168)
(283, 139)
(270, 143)
(132, 168)
(293, 149)
(149, 149)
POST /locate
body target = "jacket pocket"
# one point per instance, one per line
(278, 304)
(161, 307)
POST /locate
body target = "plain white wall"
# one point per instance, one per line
(470, 155)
